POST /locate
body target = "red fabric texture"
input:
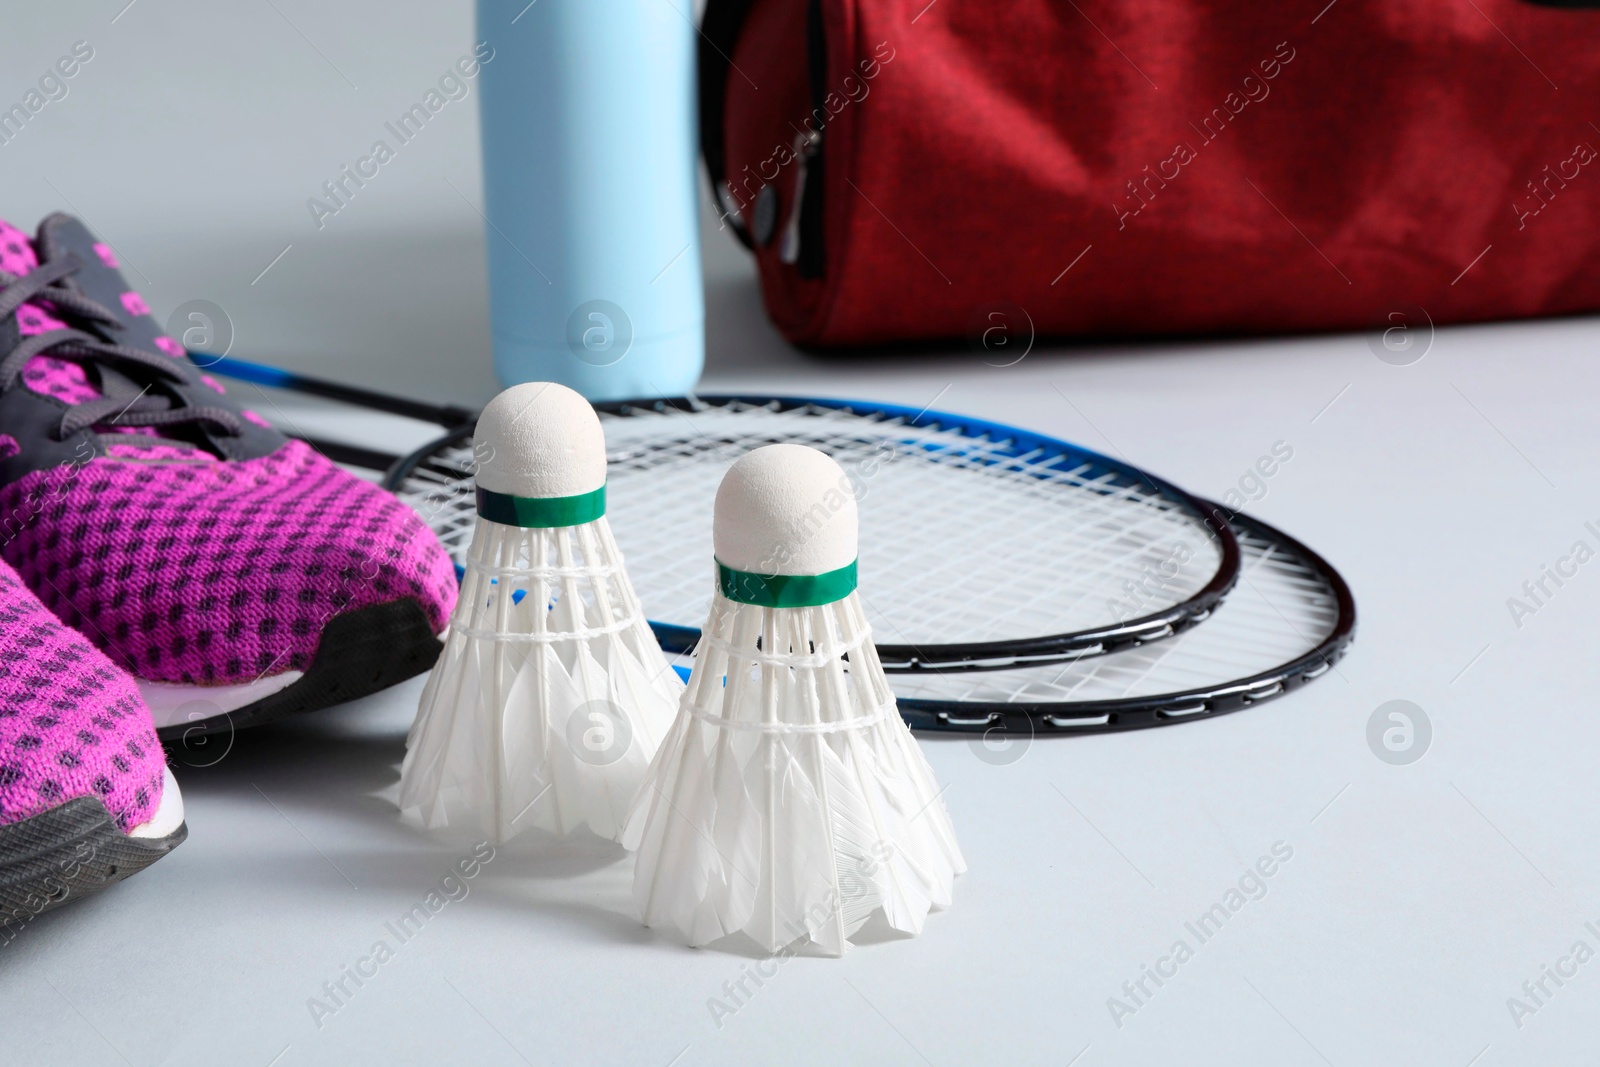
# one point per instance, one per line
(1200, 166)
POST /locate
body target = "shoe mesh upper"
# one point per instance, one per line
(190, 568)
(71, 724)
(204, 572)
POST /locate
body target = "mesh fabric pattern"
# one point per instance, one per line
(71, 723)
(203, 572)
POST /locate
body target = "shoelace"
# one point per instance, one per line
(122, 402)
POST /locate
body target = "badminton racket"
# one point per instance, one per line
(1290, 618)
(992, 547)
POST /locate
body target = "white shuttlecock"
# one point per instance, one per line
(789, 801)
(551, 695)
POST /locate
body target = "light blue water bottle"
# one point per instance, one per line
(589, 150)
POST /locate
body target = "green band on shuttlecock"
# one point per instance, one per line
(786, 590)
(541, 512)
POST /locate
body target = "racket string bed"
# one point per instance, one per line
(1083, 555)
(1288, 619)
(1043, 553)
(1017, 536)
(1072, 574)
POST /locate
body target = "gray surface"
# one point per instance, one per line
(1419, 897)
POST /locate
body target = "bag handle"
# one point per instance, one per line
(719, 34)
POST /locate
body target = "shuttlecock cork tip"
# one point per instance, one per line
(785, 510)
(540, 440)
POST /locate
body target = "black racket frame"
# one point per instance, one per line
(1027, 719)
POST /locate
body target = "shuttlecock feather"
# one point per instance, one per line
(789, 801)
(551, 695)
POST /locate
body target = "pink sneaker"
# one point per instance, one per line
(85, 795)
(238, 575)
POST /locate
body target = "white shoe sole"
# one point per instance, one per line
(180, 705)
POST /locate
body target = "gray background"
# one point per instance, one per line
(1418, 899)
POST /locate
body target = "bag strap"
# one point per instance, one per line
(719, 34)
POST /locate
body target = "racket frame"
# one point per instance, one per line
(970, 655)
(1026, 719)
(446, 415)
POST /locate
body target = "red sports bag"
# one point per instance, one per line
(1155, 166)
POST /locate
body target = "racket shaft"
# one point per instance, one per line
(446, 415)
